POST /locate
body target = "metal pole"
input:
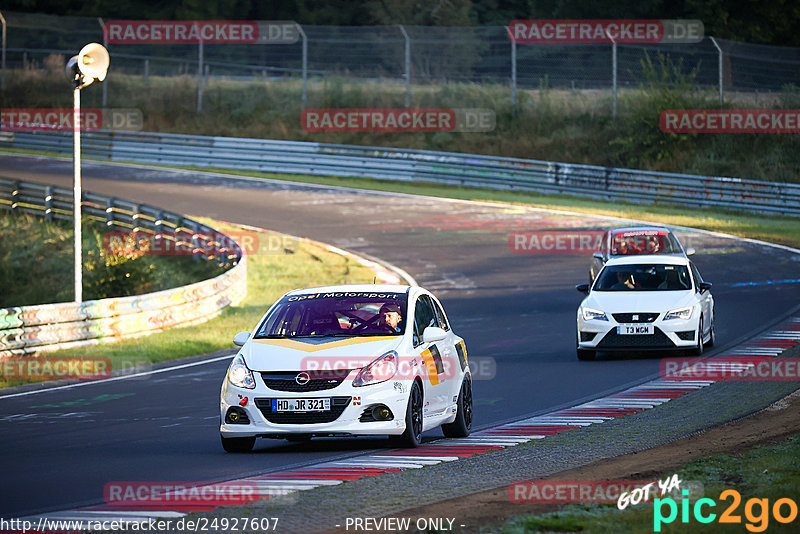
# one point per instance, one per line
(614, 66)
(408, 64)
(719, 49)
(3, 76)
(305, 62)
(105, 44)
(77, 193)
(513, 76)
(613, 74)
(200, 77)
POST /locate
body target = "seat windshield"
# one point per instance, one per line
(644, 242)
(339, 314)
(643, 278)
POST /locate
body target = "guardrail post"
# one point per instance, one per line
(14, 195)
(135, 217)
(159, 222)
(48, 203)
(407, 74)
(110, 213)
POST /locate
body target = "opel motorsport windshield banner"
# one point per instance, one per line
(606, 31)
(200, 31)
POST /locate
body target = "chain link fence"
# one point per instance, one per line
(411, 55)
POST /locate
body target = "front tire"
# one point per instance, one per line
(712, 337)
(584, 355)
(238, 444)
(412, 437)
(698, 350)
(462, 426)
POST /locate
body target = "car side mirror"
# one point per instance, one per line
(241, 338)
(705, 286)
(583, 288)
(690, 251)
(598, 255)
(432, 334)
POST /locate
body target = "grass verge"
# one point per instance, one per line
(766, 472)
(304, 264)
(36, 264)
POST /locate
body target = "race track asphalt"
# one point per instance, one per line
(516, 311)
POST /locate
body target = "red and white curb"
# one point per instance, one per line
(629, 401)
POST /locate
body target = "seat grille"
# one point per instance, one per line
(640, 317)
(657, 340)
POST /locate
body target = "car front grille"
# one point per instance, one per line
(338, 405)
(640, 317)
(657, 340)
(318, 380)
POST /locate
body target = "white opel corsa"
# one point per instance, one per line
(349, 360)
(652, 302)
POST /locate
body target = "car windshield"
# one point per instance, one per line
(644, 242)
(643, 278)
(336, 314)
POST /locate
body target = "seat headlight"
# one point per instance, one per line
(680, 313)
(240, 375)
(588, 314)
(379, 370)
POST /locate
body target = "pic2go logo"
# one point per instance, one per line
(757, 521)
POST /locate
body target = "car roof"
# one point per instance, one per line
(634, 259)
(360, 288)
(639, 228)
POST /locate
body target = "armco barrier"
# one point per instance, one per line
(423, 165)
(29, 329)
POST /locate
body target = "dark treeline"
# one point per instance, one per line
(775, 22)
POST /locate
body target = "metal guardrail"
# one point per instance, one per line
(29, 329)
(450, 168)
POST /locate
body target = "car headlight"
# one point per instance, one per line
(379, 370)
(589, 314)
(680, 313)
(240, 375)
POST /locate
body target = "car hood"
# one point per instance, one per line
(304, 354)
(638, 301)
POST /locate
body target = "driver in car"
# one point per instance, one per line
(389, 317)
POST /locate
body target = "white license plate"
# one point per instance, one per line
(301, 405)
(635, 329)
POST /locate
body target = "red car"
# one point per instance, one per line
(635, 240)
